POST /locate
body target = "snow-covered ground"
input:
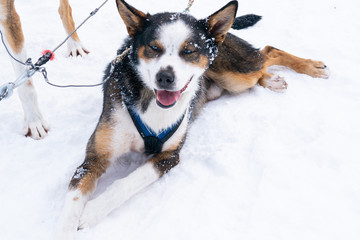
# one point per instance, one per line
(261, 165)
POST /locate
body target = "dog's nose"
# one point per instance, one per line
(165, 79)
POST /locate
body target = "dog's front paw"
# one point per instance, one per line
(69, 218)
(67, 226)
(36, 128)
(75, 48)
(91, 215)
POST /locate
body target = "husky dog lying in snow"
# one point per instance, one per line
(35, 125)
(176, 65)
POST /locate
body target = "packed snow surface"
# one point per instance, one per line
(260, 165)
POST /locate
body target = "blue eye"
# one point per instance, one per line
(155, 48)
(187, 51)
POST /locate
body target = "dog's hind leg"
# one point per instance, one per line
(35, 125)
(75, 47)
(239, 67)
(274, 56)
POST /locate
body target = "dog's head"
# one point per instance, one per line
(173, 50)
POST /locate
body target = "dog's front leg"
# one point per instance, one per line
(123, 189)
(75, 47)
(103, 147)
(81, 187)
(35, 126)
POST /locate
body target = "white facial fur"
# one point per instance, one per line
(172, 37)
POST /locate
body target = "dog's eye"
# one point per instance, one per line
(155, 48)
(187, 51)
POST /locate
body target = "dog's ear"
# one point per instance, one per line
(133, 18)
(220, 22)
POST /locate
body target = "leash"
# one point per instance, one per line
(187, 9)
(118, 59)
(7, 89)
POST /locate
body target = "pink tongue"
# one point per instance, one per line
(167, 98)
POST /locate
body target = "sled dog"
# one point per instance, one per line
(177, 63)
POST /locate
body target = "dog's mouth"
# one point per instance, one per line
(167, 99)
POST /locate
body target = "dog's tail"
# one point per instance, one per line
(245, 21)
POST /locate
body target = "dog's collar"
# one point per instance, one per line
(153, 142)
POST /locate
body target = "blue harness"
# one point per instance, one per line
(153, 142)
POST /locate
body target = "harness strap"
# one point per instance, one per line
(153, 142)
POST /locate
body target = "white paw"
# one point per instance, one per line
(214, 92)
(36, 128)
(91, 215)
(69, 218)
(76, 48)
(67, 226)
(276, 83)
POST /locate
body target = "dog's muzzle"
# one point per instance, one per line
(167, 99)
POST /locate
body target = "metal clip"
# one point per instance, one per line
(6, 90)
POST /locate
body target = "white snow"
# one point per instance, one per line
(260, 165)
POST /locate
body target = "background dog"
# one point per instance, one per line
(176, 65)
(35, 125)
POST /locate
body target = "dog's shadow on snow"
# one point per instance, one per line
(121, 168)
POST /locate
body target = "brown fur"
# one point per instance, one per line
(165, 160)
(235, 82)
(92, 169)
(147, 53)
(65, 12)
(223, 15)
(202, 62)
(168, 158)
(96, 161)
(12, 26)
(103, 137)
(226, 73)
(310, 67)
(133, 21)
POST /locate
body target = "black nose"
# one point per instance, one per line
(165, 79)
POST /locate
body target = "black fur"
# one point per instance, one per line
(248, 59)
(245, 21)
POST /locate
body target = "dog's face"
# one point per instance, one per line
(173, 50)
